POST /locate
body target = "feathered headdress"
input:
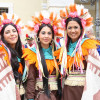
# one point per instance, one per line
(45, 19)
(11, 18)
(77, 11)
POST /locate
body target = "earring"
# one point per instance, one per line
(38, 40)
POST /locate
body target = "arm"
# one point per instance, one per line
(31, 80)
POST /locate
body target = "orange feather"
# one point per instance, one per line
(71, 8)
(75, 8)
(88, 23)
(82, 12)
(62, 13)
(18, 20)
(51, 16)
(4, 15)
(13, 16)
(89, 19)
(0, 21)
(36, 20)
(20, 69)
(41, 16)
(67, 11)
(30, 28)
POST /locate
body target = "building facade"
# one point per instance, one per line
(27, 8)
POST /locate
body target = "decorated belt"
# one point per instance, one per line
(52, 83)
(75, 80)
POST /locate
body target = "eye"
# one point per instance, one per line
(76, 27)
(43, 32)
(14, 30)
(7, 32)
(49, 33)
(69, 27)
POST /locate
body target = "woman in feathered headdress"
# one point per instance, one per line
(43, 81)
(12, 65)
(82, 56)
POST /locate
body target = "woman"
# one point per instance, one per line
(43, 81)
(11, 46)
(80, 52)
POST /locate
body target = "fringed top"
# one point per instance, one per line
(76, 58)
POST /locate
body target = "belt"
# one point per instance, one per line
(52, 82)
(75, 80)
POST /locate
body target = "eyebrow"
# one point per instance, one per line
(9, 30)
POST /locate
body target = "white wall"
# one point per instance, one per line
(24, 8)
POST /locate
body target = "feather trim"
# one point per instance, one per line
(88, 44)
(32, 58)
(57, 53)
(4, 51)
(20, 69)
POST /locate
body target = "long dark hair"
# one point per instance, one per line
(17, 52)
(78, 20)
(46, 73)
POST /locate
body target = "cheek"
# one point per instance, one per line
(50, 38)
(79, 32)
(68, 33)
(6, 37)
(40, 36)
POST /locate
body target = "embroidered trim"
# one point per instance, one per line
(75, 80)
(51, 81)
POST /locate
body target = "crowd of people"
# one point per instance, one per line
(44, 68)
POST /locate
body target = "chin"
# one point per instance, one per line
(13, 42)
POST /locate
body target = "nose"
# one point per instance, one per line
(73, 30)
(46, 35)
(11, 33)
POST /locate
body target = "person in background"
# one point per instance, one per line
(90, 33)
(12, 65)
(30, 41)
(44, 80)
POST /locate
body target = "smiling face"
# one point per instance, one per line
(73, 30)
(45, 36)
(11, 35)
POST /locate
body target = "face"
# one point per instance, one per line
(30, 42)
(73, 30)
(45, 36)
(11, 35)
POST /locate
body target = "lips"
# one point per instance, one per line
(73, 34)
(46, 40)
(13, 38)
